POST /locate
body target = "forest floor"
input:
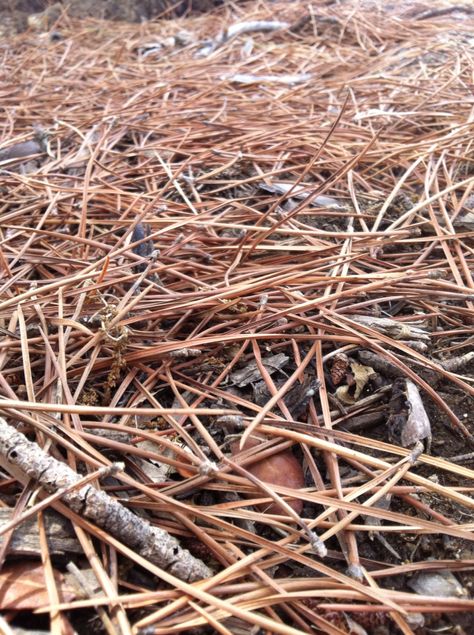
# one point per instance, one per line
(236, 321)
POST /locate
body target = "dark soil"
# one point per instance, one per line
(14, 15)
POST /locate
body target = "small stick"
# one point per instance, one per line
(21, 457)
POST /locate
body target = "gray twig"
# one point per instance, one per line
(21, 457)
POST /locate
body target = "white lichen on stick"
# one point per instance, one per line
(152, 543)
(393, 328)
(249, 78)
(253, 26)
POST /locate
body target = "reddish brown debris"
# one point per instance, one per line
(221, 225)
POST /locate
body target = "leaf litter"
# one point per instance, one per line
(236, 305)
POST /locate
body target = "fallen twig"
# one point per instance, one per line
(152, 543)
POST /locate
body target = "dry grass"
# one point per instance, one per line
(96, 334)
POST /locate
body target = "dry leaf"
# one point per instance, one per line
(22, 587)
(362, 374)
(282, 468)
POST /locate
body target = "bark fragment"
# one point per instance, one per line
(25, 539)
(408, 422)
(393, 328)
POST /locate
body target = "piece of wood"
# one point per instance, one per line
(25, 539)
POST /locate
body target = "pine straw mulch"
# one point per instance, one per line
(214, 250)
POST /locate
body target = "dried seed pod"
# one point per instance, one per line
(282, 468)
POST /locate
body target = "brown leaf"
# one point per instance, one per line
(282, 468)
(22, 587)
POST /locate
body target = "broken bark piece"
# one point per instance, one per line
(20, 151)
(24, 459)
(393, 328)
(364, 421)
(25, 540)
(419, 347)
(83, 581)
(456, 364)
(381, 365)
(251, 373)
(145, 248)
(417, 426)
(408, 422)
(301, 192)
(285, 79)
(238, 626)
(296, 399)
(465, 221)
(382, 503)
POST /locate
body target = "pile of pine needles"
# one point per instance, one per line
(252, 222)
